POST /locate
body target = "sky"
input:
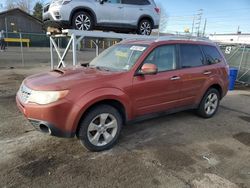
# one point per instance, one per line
(223, 16)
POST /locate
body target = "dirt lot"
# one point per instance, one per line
(179, 150)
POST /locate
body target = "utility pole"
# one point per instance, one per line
(238, 30)
(204, 29)
(198, 21)
(193, 25)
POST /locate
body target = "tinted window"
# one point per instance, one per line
(137, 2)
(212, 54)
(163, 57)
(114, 1)
(191, 55)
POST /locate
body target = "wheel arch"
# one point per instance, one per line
(218, 88)
(146, 17)
(86, 9)
(118, 105)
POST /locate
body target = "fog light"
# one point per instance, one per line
(57, 15)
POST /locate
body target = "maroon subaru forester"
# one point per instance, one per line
(130, 80)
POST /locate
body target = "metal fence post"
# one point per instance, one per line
(74, 50)
(51, 53)
(21, 45)
(241, 60)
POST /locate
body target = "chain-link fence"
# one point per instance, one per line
(238, 56)
(30, 49)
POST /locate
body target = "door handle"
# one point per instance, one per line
(120, 7)
(141, 9)
(207, 72)
(175, 78)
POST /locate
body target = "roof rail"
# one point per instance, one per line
(183, 37)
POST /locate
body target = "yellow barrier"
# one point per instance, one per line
(27, 41)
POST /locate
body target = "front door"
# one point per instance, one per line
(110, 12)
(159, 92)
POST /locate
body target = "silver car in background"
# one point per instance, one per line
(140, 16)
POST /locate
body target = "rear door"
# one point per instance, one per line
(159, 92)
(193, 72)
(110, 12)
(133, 10)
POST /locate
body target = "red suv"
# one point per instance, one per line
(133, 79)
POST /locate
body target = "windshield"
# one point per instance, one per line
(121, 57)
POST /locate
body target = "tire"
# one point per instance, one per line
(209, 104)
(97, 132)
(145, 27)
(82, 21)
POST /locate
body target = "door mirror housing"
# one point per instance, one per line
(148, 69)
(102, 1)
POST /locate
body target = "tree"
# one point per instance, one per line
(38, 10)
(163, 19)
(10, 4)
(24, 5)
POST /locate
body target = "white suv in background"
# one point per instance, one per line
(140, 16)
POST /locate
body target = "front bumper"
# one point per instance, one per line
(55, 119)
(56, 24)
(48, 128)
(57, 16)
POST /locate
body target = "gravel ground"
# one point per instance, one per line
(179, 150)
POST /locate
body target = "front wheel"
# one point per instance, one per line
(209, 104)
(144, 27)
(100, 128)
(82, 21)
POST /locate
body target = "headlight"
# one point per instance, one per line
(46, 97)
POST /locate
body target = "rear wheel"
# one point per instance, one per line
(209, 104)
(144, 27)
(82, 21)
(100, 129)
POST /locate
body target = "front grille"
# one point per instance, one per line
(46, 8)
(24, 93)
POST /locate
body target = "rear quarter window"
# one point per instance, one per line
(212, 54)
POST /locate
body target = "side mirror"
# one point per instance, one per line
(148, 69)
(102, 1)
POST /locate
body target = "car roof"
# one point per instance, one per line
(169, 40)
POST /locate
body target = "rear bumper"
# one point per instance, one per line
(54, 119)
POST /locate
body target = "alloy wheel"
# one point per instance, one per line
(145, 28)
(83, 22)
(211, 103)
(102, 129)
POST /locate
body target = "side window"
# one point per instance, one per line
(212, 54)
(114, 1)
(164, 57)
(190, 55)
(137, 2)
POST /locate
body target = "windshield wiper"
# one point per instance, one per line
(102, 68)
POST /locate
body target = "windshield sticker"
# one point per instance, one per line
(138, 48)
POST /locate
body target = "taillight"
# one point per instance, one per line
(157, 10)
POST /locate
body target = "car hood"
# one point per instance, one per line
(67, 79)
